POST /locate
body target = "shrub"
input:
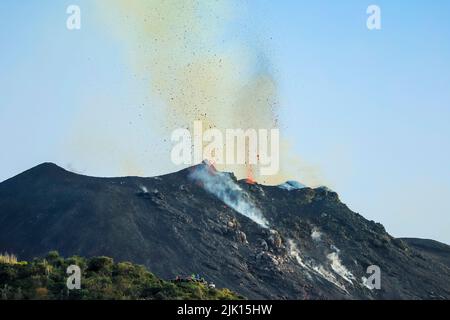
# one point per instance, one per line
(7, 258)
(101, 278)
(101, 264)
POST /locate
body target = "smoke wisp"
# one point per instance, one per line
(222, 186)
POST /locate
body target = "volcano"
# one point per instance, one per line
(264, 242)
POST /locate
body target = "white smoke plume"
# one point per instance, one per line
(311, 266)
(223, 187)
(333, 258)
(339, 268)
(316, 235)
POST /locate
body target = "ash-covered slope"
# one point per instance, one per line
(260, 241)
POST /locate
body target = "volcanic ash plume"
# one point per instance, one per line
(199, 65)
(196, 69)
(202, 61)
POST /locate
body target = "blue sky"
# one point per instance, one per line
(369, 109)
(372, 108)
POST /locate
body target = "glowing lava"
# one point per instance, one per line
(250, 179)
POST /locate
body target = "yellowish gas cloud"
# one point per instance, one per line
(198, 71)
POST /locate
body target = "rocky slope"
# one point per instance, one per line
(263, 242)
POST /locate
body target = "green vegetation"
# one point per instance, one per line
(7, 258)
(101, 279)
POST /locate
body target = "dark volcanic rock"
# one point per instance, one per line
(313, 248)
